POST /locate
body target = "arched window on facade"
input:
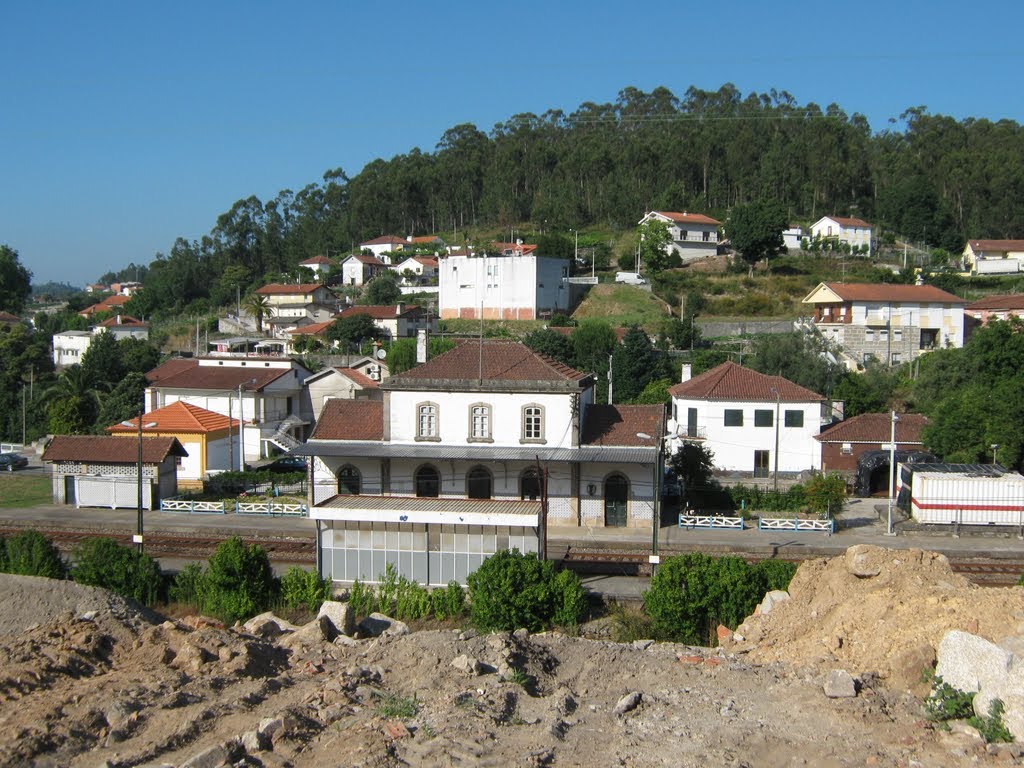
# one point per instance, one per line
(616, 495)
(529, 485)
(350, 482)
(479, 484)
(428, 481)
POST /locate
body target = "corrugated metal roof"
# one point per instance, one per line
(615, 455)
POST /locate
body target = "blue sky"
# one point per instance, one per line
(126, 125)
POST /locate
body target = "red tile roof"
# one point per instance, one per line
(385, 240)
(848, 221)
(996, 245)
(875, 428)
(318, 260)
(116, 300)
(105, 449)
(379, 312)
(275, 289)
(1006, 301)
(358, 377)
(729, 381)
(122, 320)
(689, 218)
(921, 294)
(426, 261)
(313, 329)
(373, 261)
(350, 420)
(188, 374)
(622, 425)
(427, 239)
(499, 361)
(7, 317)
(177, 417)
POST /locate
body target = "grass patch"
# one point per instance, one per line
(398, 707)
(25, 490)
(512, 329)
(623, 305)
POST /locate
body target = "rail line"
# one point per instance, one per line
(983, 571)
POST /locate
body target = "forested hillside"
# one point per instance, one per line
(939, 181)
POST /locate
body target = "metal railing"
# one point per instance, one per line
(711, 521)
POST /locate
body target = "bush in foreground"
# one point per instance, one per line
(105, 563)
(691, 594)
(238, 583)
(300, 587)
(29, 553)
(511, 590)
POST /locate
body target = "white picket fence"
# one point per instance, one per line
(193, 507)
(711, 521)
(270, 508)
(796, 524)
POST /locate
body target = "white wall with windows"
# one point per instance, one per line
(429, 554)
(742, 435)
(459, 418)
(516, 287)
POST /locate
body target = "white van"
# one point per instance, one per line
(633, 278)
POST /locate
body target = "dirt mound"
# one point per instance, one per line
(108, 689)
(878, 610)
(30, 601)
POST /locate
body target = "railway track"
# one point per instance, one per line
(987, 572)
(286, 550)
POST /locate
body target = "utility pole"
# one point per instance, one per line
(892, 470)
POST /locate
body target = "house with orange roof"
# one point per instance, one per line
(360, 380)
(395, 321)
(844, 229)
(123, 327)
(319, 264)
(843, 443)
(266, 393)
(383, 247)
(212, 441)
(447, 467)
(694, 235)
(361, 268)
(997, 307)
(109, 304)
(992, 257)
(887, 322)
(754, 424)
(417, 270)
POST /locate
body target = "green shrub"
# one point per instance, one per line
(361, 599)
(238, 583)
(571, 603)
(691, 594)
(776, 574)
(412, 601)
(992, 728)
(387, 590)
(300, 587)
(511, 590)
(448, 603)
(826, 494)
(105, 563)
(187, 585)
(29, 553)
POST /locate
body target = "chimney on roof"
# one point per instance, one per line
(686, 373)
(399, 307)
(421, 346)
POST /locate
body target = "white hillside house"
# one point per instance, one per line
(844, 229)
(754, 424)
(694, 235)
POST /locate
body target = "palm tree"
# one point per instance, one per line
(259, 307)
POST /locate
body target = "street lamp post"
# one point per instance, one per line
(995, 453)
(892, 470)
(137, 536)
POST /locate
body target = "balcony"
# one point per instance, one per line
(691, 432)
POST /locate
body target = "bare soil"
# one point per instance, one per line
(88, 680)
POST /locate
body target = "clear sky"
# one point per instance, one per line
(125, 125)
